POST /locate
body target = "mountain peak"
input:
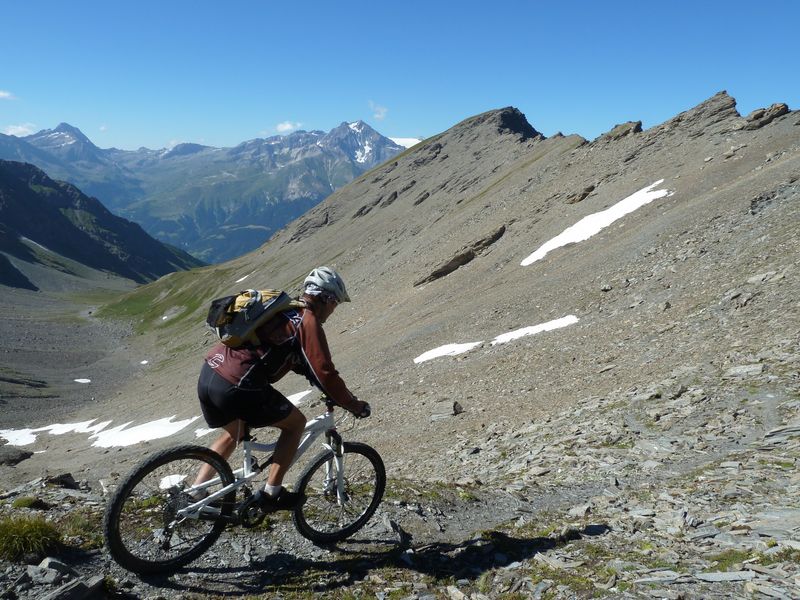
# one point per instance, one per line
(358, 126)
(66, 142)
(508, 120)
(719, 111)
(67, 128)
(72, 131)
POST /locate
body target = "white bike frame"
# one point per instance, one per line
(322, 424)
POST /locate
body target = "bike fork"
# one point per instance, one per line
(334, 469)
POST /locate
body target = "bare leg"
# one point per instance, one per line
(291, 431)
(225, 444)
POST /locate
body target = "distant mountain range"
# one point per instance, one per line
(43, 221)
(215, 203)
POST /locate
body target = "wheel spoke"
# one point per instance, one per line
(144, 529)
(322, 518)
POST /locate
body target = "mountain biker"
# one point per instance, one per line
(234, 384)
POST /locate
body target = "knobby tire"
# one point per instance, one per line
(321, 519)
(135, 512)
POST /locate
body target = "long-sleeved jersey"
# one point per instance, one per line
(292, 341)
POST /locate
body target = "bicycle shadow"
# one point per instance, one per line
(355, 560)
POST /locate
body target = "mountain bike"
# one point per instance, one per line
(155, 524)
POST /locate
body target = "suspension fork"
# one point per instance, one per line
(335, 476)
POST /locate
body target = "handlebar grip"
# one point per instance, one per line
(365, 412)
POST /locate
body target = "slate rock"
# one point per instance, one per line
(726, 576)
(763, 116)
(65, 480)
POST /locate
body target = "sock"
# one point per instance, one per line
(272, 490)
(198, 494)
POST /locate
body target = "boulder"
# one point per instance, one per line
(11, 455)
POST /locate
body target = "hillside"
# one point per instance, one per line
(43, 222)
(492, 189)
(215, 203)
(615, 330)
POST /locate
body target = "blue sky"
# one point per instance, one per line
(146, 73)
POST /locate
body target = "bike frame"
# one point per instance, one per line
(323, 423)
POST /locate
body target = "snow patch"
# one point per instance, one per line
(592, 224)
(128, 436)
(27, 436)
(454, 349)
(446, 350)
(363, 154)
(18, 437)
(533, 330)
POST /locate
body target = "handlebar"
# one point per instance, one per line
(330, 404)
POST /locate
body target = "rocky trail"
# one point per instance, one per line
(672, 491)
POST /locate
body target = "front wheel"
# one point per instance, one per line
(143, 528)
(330, 514)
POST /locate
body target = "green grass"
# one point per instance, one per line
(581, 585)
(144, 503)
(408, 491)
(467, 495)
(790, 555)
(43, 190)
(186, 290)
(30, 502)
(84, 528)
(730, 559)
(23, 535)
(619, 445)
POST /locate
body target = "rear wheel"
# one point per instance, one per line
(143, 529)
(326, 516)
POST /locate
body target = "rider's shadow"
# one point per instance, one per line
(357, 559)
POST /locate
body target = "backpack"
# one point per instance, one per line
(235, 318)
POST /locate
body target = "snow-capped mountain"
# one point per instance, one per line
(215, 203)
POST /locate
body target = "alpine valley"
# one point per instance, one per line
(50, 232)
(214, 203)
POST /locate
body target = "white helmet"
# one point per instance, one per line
(328, 280)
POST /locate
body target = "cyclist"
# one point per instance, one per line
(234, 384)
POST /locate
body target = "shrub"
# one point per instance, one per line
(26, 535)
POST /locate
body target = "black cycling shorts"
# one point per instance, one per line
(223, 402)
